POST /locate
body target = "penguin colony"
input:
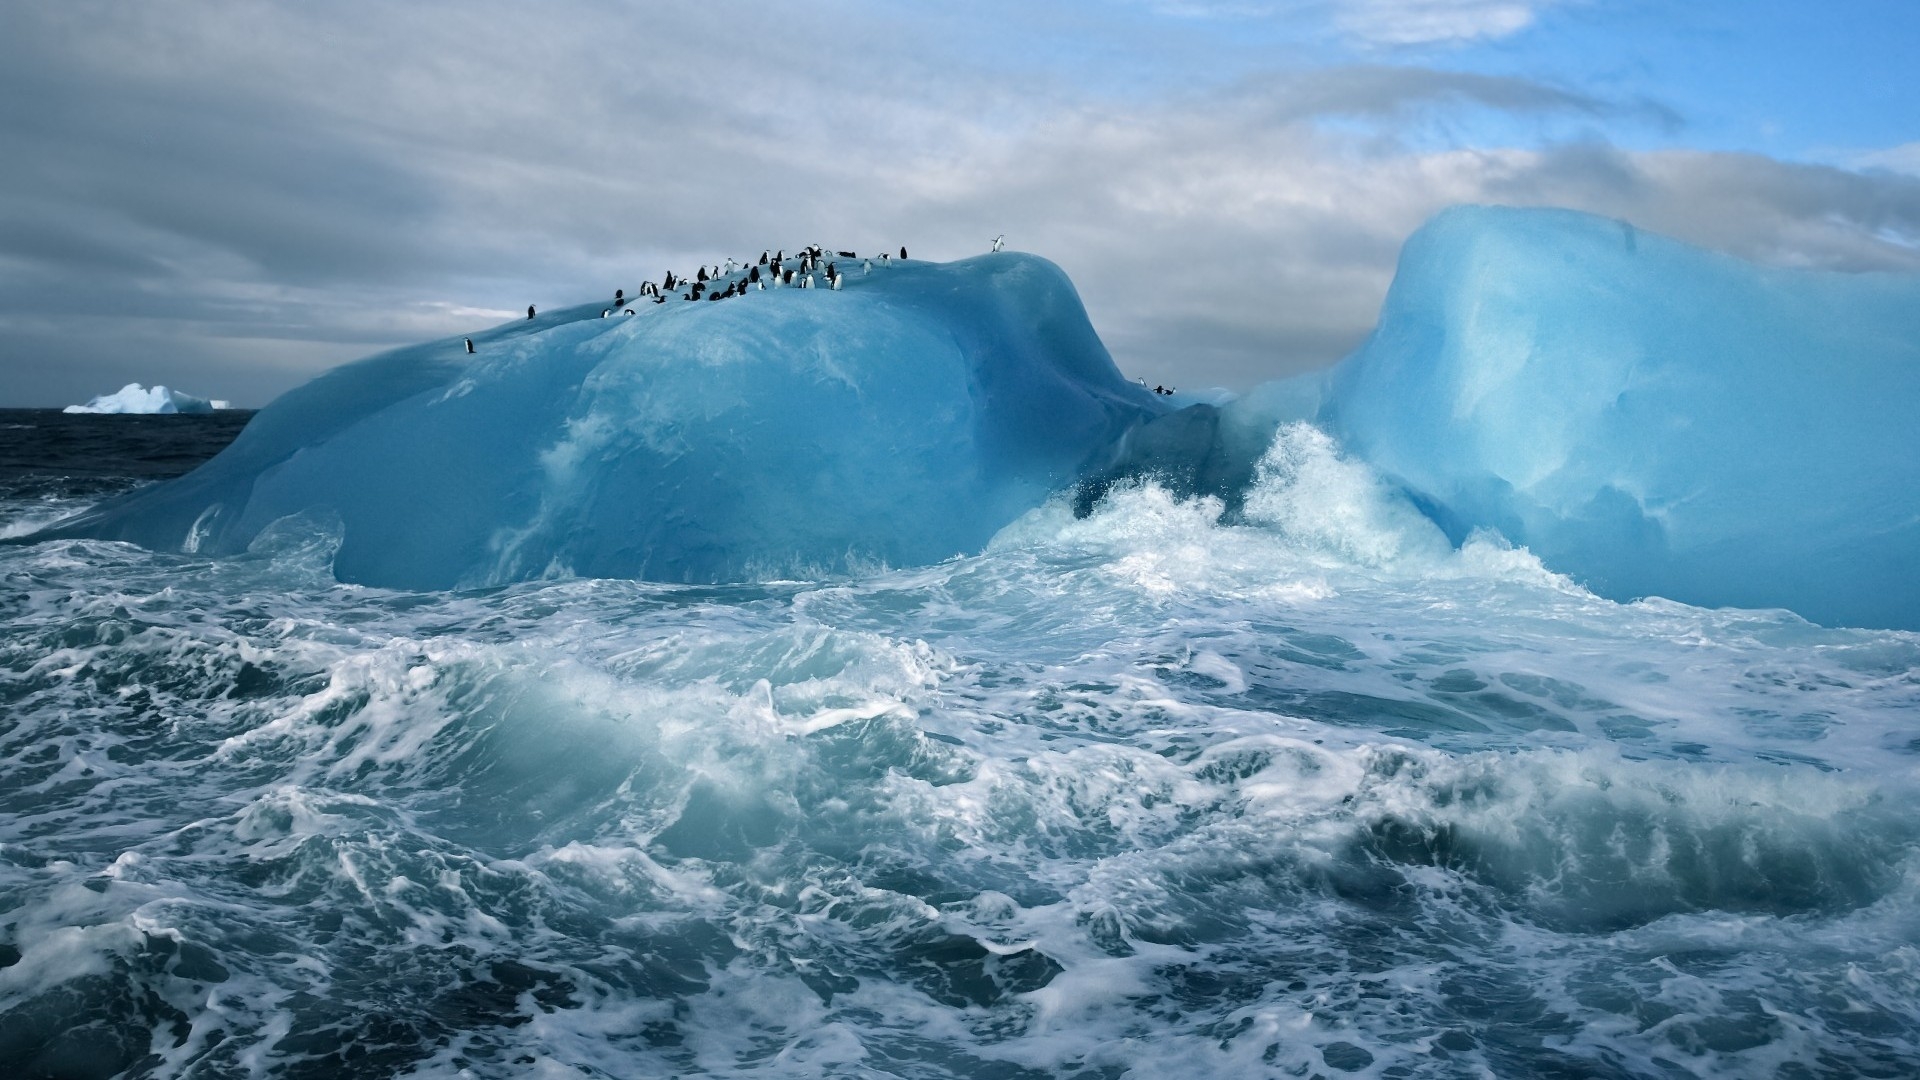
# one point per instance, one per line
(771, 271)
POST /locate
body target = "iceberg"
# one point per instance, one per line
(134, 398)
(1650, 418)
(898, 421)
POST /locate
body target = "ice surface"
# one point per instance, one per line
(1651, 418)
(134, 398)
(901, 420)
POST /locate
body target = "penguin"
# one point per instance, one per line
(604, 312)
(886, 259)
(787, 278)
(703, 273)
(848, 255)
(866, 266)
(761, 285)
(903, 253)
(731, 265)
(669, 283)
(834, 282)
(999, 240)
(529, 311)
(780, 256)
(629, 311)
(469, 346)
(763, 258)
(807, 282)
(659, 299)
(619, 297)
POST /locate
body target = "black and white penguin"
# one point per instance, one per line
(999, 240)
(732, 266)
(669, 283)
(848, 255)
(469, 346)
(629, 311)
(703, 274)
(529, 311)
(903, 253)
(604, 312)
(866, 266)
(787, 278)
(763, 258)
(619, 297)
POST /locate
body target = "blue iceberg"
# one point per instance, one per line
(136, 399)
(785, 432)
(1650, 418)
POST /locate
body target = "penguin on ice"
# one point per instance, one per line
(903, 253)
(469, 346)
(529, 311)
(866, 266)
(619, 297)
(998, 241)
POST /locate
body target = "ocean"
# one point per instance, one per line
(1139, 793)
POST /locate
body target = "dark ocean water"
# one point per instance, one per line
(45, 452)
(1138, 794)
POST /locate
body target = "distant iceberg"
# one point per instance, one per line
(781, 433)
(133, 398)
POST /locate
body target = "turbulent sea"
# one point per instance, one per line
(1135, 794)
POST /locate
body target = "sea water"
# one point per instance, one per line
(1150, 792)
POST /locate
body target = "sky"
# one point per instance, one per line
(230, 197)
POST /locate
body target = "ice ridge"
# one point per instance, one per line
(899, 419)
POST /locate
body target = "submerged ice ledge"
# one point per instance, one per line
(786, 432)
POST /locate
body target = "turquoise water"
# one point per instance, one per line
(1138, 794)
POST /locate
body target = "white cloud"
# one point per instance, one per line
(336, 177)
(1382, 23)
(1421, 22)
(1904, 158)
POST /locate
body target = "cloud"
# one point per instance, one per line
(1420, 22)
(228, 196)
(1381, 23)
